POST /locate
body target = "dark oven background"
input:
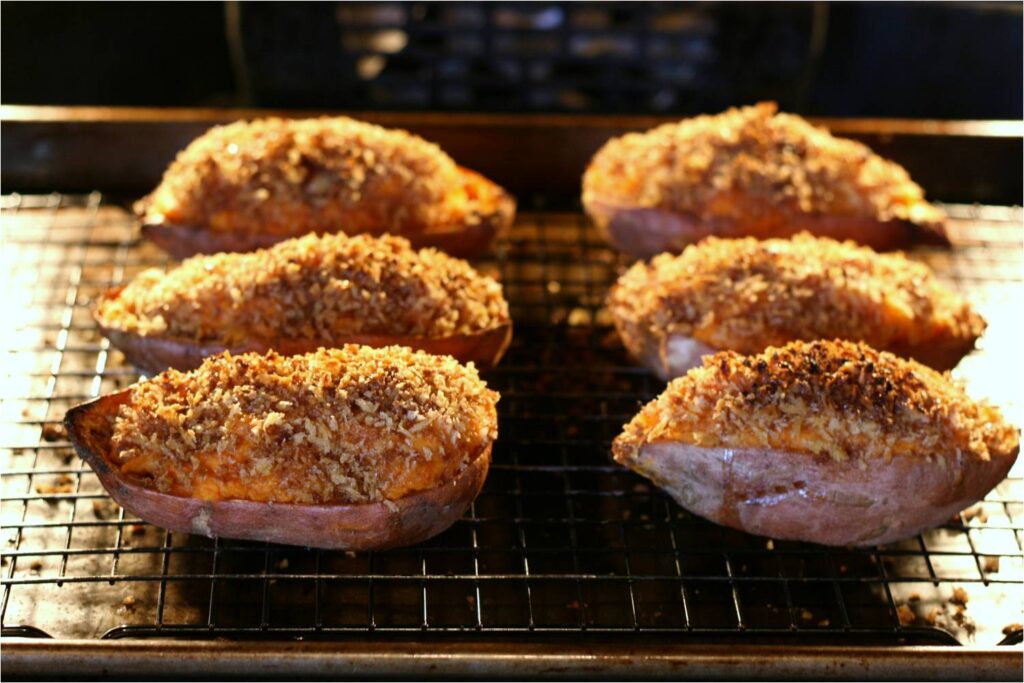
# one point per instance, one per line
(923, 60)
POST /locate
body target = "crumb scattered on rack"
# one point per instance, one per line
(905, 615)
(54, 432)
(1012, 628)
(806, 615)
(61, 484)
(129, 601)
(960, 596)
(104, 508)
(976, 512)
(990, 564)
(914, 597)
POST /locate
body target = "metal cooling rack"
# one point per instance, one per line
(560, 541)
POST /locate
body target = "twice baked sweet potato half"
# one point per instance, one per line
(305, 293)
(829, 441)
(355, 448)
(251, 184)
(750, 172)
(746, 295)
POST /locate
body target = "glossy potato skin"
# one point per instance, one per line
(806, 497)
(368, 526)
(152, 354)
(464, 240)
(646, 232)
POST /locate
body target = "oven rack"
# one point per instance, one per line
(561, 541)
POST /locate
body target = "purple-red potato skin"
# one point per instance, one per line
(367, 526)
(461, 240)
(800, 496)
(646, 232)
(153, 354)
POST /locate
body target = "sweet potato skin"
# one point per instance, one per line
(805, 497)
(152, 354)
(464, 240)
(645, 232)
(368, 526)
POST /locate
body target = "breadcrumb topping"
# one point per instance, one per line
(348, 425)
(835, 399)
(746, 295)
(288, 177)
(320, 288)
(745, 160)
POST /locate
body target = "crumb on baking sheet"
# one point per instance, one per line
(129, 601)
(54, 432)
(1012, 628)
(905, 614)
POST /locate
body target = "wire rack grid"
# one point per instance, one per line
(561, 540)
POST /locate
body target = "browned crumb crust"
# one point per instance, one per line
(321, 288)
(830, 398)
(287, 177)
(745, 295)
(348, 425)
(726, 165)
